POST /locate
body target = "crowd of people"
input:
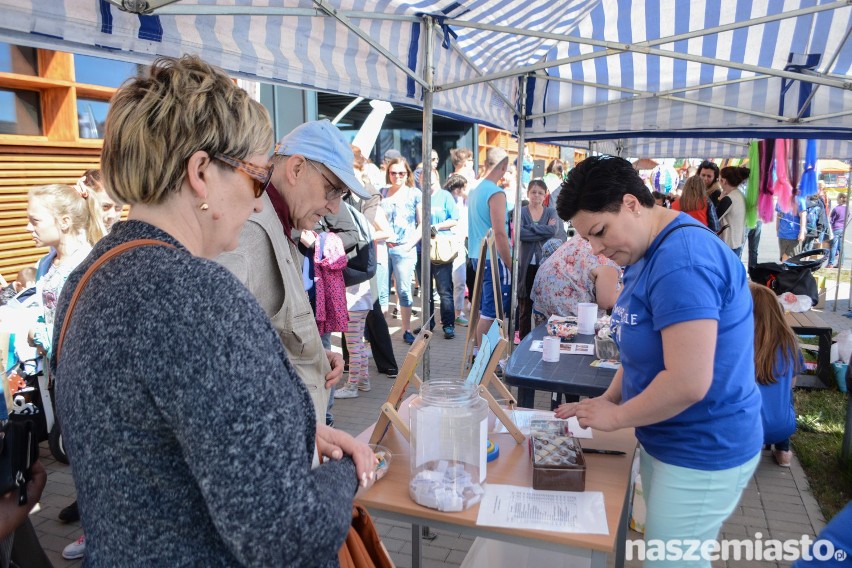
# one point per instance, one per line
(309, 242)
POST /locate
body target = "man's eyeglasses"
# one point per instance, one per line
(334, 192)
(261, 175)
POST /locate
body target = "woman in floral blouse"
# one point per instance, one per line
(571, 275)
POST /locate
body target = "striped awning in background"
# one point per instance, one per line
(627, 69)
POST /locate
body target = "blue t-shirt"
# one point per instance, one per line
(692, 276)
(401, 211)
(779, 417)
(443, 207)
(479, 215)
(789, 224)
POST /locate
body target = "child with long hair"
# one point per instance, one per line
(777, 360)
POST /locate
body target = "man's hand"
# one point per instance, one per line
(308, 238)
(333, 377)
(334, 444)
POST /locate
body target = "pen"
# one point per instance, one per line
(605, 452)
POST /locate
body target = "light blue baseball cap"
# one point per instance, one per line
(321, 141)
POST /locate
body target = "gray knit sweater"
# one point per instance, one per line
(189, 433)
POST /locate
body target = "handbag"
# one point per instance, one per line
(18, 452)
(443, 248)
(363, 548)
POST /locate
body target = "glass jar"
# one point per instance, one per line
(449, 423)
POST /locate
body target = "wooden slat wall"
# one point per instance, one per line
(22, 167)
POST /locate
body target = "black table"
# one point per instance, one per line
(572, 375)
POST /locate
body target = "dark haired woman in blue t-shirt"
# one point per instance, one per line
(695, 407)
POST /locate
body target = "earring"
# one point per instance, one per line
(204, 207)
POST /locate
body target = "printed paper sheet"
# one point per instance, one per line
(516, 507)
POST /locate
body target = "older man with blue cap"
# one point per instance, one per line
(312, 171)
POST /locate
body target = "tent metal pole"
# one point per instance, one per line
(614, 48)
(647, 48)
(843, 243)
(426, 184)
(824, 116)
(516, 213)
(660, 41)
(827, 68)
(479, 72)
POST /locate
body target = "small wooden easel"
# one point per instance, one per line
(482, 373)
(407, 375)
(488, 248)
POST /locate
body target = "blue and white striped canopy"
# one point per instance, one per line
(665, 72)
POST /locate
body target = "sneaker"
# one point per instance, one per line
(75, 550)
(783, 457)
(462, 321)
(408, 337)
(391, 373)
(364, 385)
(70, 514)
(349, 391)
(449, 332)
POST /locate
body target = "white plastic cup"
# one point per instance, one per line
(587, 315)
(550, 349)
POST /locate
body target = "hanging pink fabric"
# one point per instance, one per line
(329, 262)
(782, 189)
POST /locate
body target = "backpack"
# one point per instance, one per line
(362, 261)
(813, 218)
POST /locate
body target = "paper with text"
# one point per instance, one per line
(567, 348)
(516, 507)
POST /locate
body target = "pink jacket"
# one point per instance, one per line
(329, 262)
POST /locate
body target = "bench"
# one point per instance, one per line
(810, 323)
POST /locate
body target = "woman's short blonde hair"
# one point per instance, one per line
(159, 119)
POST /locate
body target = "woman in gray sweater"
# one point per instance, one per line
(191, 437)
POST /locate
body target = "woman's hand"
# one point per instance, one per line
(334, 444)
(566, 410)
(598, 413)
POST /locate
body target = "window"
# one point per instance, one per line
(91, 117)
(20, 112)
(18, 59)
(105, 72)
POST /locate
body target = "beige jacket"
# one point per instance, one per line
(270, 266)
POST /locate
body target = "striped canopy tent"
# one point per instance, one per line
(646, 73)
